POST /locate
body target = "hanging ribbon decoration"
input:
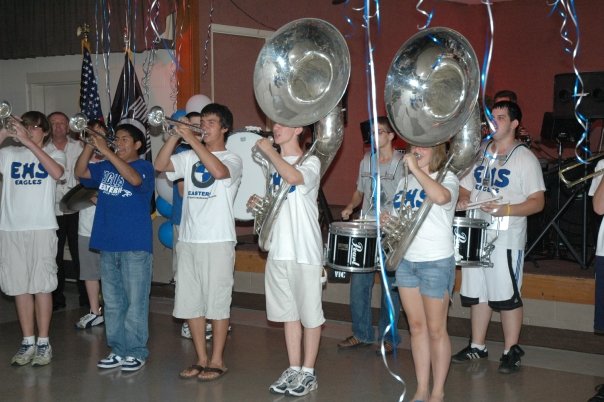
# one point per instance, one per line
(150, 59)
(566, 10)
(105, 36)
(206, 44)
(484, 77)
(428, 15)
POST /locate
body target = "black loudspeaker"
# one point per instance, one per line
(592, 105)
(563, 129)
(366, 131)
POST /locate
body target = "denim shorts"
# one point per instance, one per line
(433, 278)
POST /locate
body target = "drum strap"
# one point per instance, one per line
(504, 158)
(389, 174)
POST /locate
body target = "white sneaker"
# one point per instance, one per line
(185, 332)
(302, 384)
(132, 364)
(90, 320)
(43, 355)
(24, 355)
(281, 385)
(110, 361)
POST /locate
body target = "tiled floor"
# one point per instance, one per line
(256, 355)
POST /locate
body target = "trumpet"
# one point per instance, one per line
(7, 120)
(79, 124)
(575, 165)
(157, 117)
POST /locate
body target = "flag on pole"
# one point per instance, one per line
(90, 103)
(129, 106)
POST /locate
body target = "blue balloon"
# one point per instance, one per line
(165, 234)
(163, 207)
(178, 114)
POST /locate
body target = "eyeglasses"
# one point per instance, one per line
(34, 127)
(380, 132)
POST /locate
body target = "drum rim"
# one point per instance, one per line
(472, 222)
(347, 228)
(352, 269)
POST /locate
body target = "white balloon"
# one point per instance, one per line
(197, 102)
(163, 186)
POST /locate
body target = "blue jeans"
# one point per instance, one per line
(126, 282)
(361, 286)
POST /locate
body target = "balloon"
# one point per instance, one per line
(197, 102)
(163, 186)
(165, 234)
(163, 207)
(178, 114)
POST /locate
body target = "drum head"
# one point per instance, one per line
(252, 176)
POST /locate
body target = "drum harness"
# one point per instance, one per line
(490, 159)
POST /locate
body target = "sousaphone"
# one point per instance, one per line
(300, 77)
(431, 94)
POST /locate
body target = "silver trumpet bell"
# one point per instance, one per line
(79, 124)
(7, 120)
(157, 118)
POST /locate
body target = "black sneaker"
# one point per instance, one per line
(469, 353)
(511, 361)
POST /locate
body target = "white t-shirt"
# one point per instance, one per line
(28, 191)
(514, 179)
(434, 239)
(85, 221)
(207, 208)
(592, 190)
(72, 151)
(296, 235)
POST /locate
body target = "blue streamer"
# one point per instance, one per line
(484, 77)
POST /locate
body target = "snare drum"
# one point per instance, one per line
(352, 246)
(470, 241)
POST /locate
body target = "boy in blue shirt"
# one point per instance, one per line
(123, 234)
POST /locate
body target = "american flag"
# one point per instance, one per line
(90, 103)
(129, 104)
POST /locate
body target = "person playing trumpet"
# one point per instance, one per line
(123, 233)
(426, 275)
(28, 242)
(206, 242)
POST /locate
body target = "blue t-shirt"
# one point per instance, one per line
(176, 197)
(122, 221)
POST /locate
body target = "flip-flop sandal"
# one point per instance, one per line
(191, 372)
(219, 373)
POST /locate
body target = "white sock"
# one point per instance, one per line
(308, 370)
(28, 340)
(42, 341)
(481, 347)
(505, 352)
(297, 368)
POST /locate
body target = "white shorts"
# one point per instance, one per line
(499, 286)
(293, 292)
(204, 280)
(175, 229)
(90, 260)
(28, 262)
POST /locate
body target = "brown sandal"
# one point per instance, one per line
(216, 373)
(352, 342)
(191, 372)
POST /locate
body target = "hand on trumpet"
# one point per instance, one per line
(14, 128)
(253, 203)
(99, 143)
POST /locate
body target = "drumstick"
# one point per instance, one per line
(478, 204)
